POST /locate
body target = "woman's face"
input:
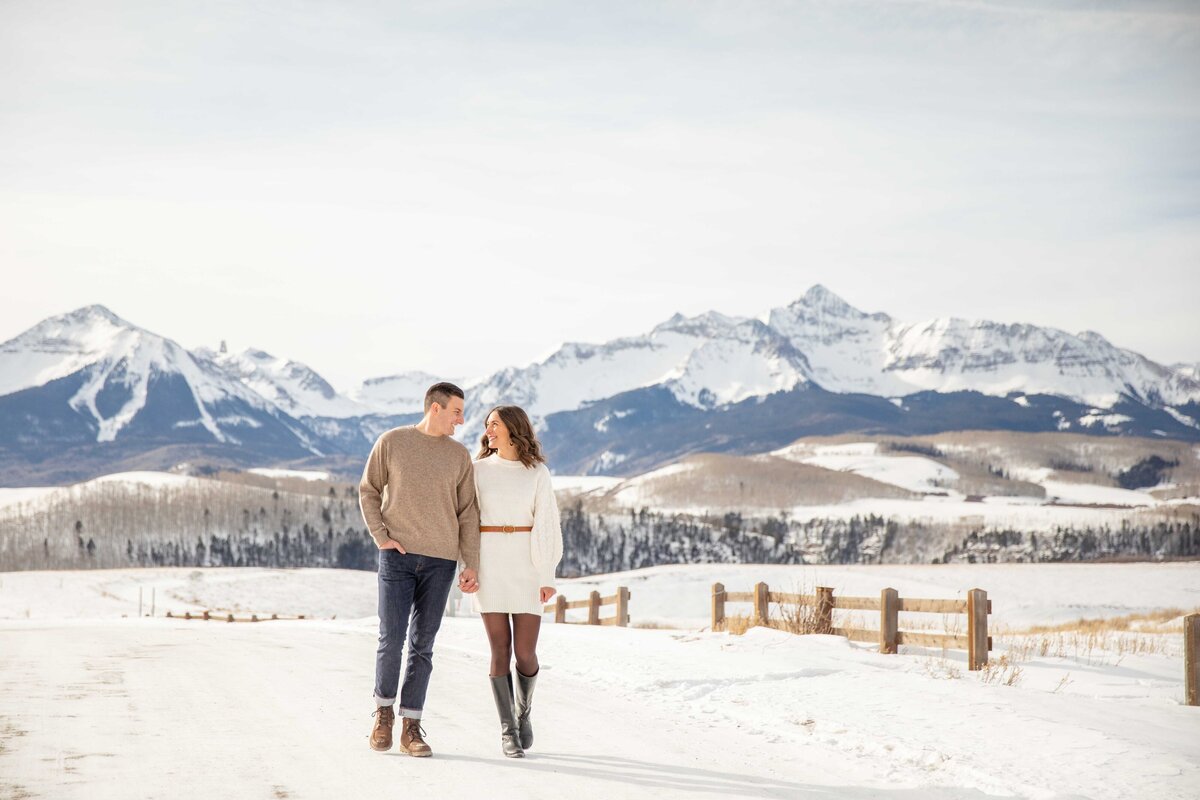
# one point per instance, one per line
(496, 432)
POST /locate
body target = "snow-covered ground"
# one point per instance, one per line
(22, 501)
(97, 704)
(915, 473)
(303, 474)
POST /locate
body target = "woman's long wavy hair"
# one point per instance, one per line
(520, 430)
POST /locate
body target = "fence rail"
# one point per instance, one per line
(889, 604)
(207, 616)
(593, 604)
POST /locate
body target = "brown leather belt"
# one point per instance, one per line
(504, 529)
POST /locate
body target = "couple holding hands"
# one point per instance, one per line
(428, 506)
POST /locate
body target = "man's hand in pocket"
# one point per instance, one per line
(392, 544)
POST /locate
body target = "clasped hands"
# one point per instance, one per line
(468, 579)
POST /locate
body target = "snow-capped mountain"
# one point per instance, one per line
(708, 383)
(403, 393)
(704, 361)
(290, 385)
(852, 351)
(713, 360)
(91, 378)
(821, 366)
(845, 346)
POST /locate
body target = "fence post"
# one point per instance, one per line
(622, 606)
(761, 602)
(977, 629)
(718, 607)
(889, 619)
(206, 616)
(560, 609)
(1191, 657)
(824, 609)
(594, 608)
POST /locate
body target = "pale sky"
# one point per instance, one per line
(374, 187)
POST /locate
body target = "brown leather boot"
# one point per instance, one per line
(412, 739)
(381, 734)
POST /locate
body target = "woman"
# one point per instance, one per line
(520, 547)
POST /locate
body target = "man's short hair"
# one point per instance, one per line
(441, 393)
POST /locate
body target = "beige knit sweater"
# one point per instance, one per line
(420, 490)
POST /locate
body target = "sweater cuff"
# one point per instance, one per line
(381, 536)
(546, 578)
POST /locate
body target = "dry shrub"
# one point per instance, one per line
(801, 616)
(797, 615)
(1158, 621)
(737, 625)
(940, 669)
(1100, 642)
(1003, 671)
(1092, 647)
(654, 625)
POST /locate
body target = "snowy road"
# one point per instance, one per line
(154, 709)
(97, 706)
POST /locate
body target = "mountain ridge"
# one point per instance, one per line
(88, 375)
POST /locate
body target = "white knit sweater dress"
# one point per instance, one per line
(513, 566)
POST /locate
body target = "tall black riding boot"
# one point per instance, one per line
(502, 690)
(525, 686)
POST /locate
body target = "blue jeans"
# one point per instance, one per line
(415, 586)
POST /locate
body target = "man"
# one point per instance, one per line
(418, 499)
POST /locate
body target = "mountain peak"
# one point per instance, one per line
(819, 303)
(820, 297)
(96, 312)
(710, 323)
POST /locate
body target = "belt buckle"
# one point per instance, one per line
(510, 529)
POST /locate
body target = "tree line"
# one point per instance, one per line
(216, 524)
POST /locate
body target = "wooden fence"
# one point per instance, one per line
(1191, 657)
(207, 616)
(592, 604)
(977, 643)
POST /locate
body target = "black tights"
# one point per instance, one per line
(522, 637)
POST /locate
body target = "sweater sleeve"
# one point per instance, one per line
(468, 518)
(546, 543)
(370, 493)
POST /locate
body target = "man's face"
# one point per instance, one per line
(445, 420)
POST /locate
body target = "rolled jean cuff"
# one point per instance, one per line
(380, 702)
(410, 713)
